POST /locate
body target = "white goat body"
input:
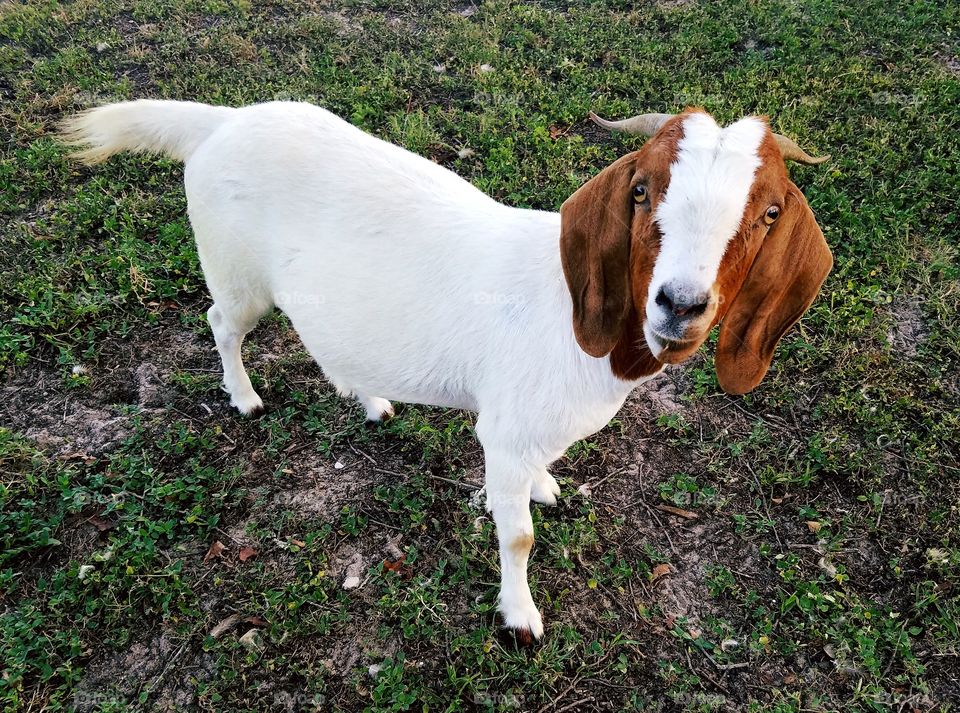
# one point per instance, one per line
(407, 283)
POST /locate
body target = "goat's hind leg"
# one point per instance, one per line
(377, 409)
(544, 488)
(229, 329)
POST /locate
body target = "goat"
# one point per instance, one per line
(405, 282)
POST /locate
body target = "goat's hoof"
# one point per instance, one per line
(378, 410)
(251, 405)
(545, 489)
(525, 622)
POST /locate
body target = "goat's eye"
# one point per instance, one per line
(770, 217)
(640, 193)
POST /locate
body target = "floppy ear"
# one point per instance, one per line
(786, 275)
(595, 229)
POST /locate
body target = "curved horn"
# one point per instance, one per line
(643, 124)
(792, 152)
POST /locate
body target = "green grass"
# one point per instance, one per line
(825, 544)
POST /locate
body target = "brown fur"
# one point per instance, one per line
(767, 278)
(522, 545)
(782, 282)
(608, 246)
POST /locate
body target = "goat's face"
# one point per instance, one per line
(701, 225)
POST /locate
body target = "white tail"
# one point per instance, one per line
(173, 128)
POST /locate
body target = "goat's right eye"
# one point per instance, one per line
(640, 193)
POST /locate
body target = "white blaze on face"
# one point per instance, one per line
(710, 183)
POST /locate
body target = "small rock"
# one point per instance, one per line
(251, 640)
(102, 46)
(354, 570)
(339, 465)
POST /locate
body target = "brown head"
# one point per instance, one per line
(701, 226)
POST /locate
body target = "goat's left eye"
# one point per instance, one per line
(640, 193)
(770, 217)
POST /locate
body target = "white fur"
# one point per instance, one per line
(701, 210)
(405, 282)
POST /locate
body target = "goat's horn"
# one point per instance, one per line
(643, 124)
(792, 152)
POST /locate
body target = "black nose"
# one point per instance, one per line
(682, 303)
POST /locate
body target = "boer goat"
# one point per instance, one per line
(407, 283)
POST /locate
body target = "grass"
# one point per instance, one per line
(822, 569)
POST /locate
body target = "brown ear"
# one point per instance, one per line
(595, 227)
(786, 275)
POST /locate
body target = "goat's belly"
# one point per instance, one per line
(367, 357)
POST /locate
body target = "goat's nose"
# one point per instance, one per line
(682, 303)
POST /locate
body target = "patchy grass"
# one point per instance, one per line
(818, 566)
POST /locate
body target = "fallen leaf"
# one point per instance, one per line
(661, 570)
(813, 526)
(392, 547)
(298, 543)
(256, 621)
(79, 455)
(246, 553)
(679, 512)
(101, 524)
(398, 566)
(394, 566)
(216, 549)
(224, 626)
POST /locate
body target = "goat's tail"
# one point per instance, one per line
(173, 128)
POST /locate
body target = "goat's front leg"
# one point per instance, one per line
(508, 482)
